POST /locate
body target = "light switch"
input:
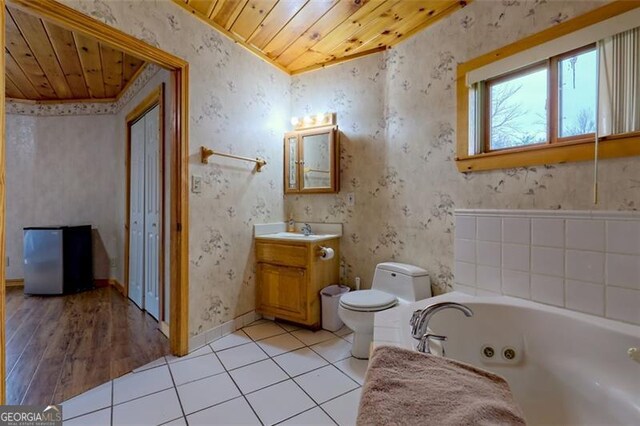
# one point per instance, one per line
(196, 184)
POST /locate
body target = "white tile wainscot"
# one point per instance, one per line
(587, 261)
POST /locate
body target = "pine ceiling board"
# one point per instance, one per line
(337, 15)
(112, 70)
(304, 19)
(89, 52)
(251, 16)
(456, 5)
(282, 13)
(386, 22)
(38, 41)
(18, 76)
(202, 6)
(130, 66)
(308, 59)
(339, 35)
(50, 63)
(11, 90)
(327, 62)
(65, 47)
(25, 59)
(228, 13)
(297, 35)
(346, 30)
(431, 12)
(215, 8)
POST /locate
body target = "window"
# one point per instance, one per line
(568, 93)
(577, 75)
(516, 114)
(521, 106)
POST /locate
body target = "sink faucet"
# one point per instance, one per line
(306, 229)
(420, 322)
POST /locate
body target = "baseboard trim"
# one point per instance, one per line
(114, 282)
(164, 328)
(222, 330)
(101, 282)
(16, 282)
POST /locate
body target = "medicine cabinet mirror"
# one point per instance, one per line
(311, 161)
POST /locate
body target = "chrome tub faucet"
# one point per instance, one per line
(420, 323)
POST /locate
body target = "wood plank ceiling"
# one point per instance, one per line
(302, 35)
(45, 62)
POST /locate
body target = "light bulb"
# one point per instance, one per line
(308, 119)
(320, 118)
(295, 121)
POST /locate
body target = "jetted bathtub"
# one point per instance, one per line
(563, 367)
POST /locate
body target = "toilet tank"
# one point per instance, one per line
(407, 282)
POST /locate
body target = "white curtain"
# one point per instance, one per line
(620, 83)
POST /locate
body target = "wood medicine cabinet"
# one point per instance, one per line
(311, 161)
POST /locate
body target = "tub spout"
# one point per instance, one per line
(420, 321)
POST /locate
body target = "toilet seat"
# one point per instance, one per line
(368, 301)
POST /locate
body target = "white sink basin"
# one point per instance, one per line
(295, 236)
(292, 235)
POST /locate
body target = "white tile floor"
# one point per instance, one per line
(266, 373)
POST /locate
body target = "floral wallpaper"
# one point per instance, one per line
(397, 115)
(238, 104)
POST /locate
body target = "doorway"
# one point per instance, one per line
(145, 205)
(178, 171)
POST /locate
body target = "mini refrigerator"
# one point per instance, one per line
(57, 260)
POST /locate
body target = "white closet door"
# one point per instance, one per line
(152, 215)
(136, 214)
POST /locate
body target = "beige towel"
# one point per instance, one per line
(405, 387)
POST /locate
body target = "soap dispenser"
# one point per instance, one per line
(291, 225)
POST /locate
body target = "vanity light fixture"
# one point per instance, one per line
(316, 120)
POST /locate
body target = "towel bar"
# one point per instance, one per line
(205, 153)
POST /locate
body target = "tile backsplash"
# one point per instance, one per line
(587, 261)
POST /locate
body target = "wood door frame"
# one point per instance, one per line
(74, 20)
(3, 312)
(153, 99)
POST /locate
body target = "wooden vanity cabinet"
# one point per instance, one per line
(290, 276)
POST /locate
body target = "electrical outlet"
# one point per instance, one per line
(351, 199)
(196, 184)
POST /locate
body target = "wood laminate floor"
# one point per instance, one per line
(60, 346)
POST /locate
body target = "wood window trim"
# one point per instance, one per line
(562, 151)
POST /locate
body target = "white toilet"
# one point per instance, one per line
(393, 284)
